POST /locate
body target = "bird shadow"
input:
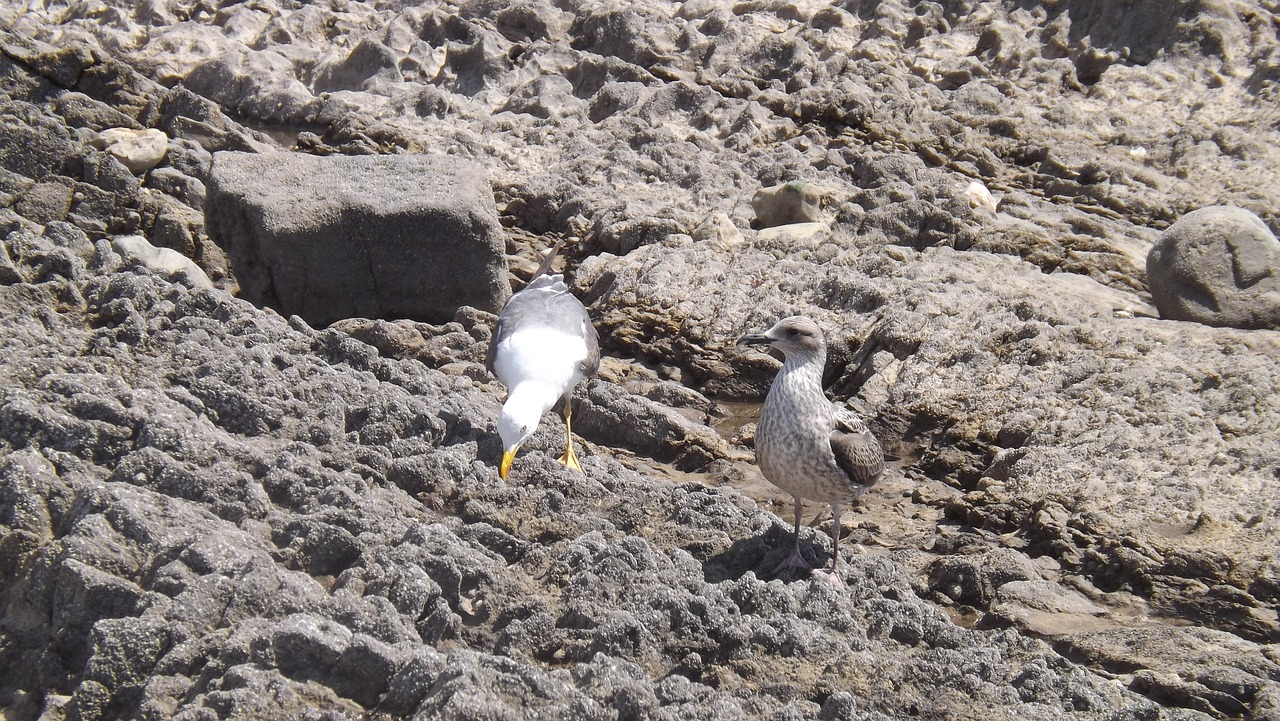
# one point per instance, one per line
(763, 553)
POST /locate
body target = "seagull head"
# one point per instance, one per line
(796, 336)
(517, 422)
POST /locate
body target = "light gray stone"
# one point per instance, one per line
(794, 202)
(139, 150)
(1220, 266)
(162, 260)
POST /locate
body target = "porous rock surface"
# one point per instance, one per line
(209, 510)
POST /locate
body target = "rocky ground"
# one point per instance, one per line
(211, 510)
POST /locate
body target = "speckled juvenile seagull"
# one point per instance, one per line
(806, 445)
(543, 347)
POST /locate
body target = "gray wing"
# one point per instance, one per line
(499, 332)
(856, 449)
(546, 301)
(591, 363)
(521, 308)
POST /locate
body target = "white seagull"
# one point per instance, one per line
(543, 347)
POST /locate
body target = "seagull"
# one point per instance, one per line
(543, 346)
(805, 444)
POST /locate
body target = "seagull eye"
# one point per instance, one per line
(793, 331)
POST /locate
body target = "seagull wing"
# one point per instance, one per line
(856, 449)
(547, 303)
(591, 363)
(521, 309)
(491, 354)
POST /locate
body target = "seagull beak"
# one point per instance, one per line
(507, 457)
(755, 339)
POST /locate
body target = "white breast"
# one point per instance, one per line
(544, 355)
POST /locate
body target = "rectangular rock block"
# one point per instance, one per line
(333, 237)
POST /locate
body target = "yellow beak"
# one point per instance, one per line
(507, 458)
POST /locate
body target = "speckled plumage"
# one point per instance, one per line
(805, 445)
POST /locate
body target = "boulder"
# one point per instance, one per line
(795, 202)
(164, 261)
(327, 238)
(1219, 266)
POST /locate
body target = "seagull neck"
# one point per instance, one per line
(805, 367)
(533, 394)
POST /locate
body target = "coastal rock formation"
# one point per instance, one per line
(209, 509)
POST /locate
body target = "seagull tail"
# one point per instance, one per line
(546, 262)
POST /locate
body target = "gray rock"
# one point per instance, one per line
(609, 415)
(1220, 266)
(139, 150)
(976, 579)
(330, 238)
(161, 260)
(794, 202)
(1206, 670)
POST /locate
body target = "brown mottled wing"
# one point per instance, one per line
(856, 449)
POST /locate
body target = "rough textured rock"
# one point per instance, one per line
(1220, 266)
(794, 202)
(210, 510)
(161, 260)
(326, 238)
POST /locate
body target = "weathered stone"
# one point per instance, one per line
(403, 236)
(1218, 266)
(794, 202)
(139, 150)
(162, 260)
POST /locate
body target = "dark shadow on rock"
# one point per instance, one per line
(761, 554)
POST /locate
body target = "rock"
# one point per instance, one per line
(787, 237)
(186, 479)
(328, 238)
(1212, 672)
(980, 197)
(44, 202)
(976, 579)
(610, 415)
(794, 202)
(139, 150)
(161, 260)
(1046, 608)
(1219, 266)
(719, 229)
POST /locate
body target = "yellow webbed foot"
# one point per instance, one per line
(570, 460)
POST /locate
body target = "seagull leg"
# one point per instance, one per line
(569, 459)
(795, 559)
(830, 574)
